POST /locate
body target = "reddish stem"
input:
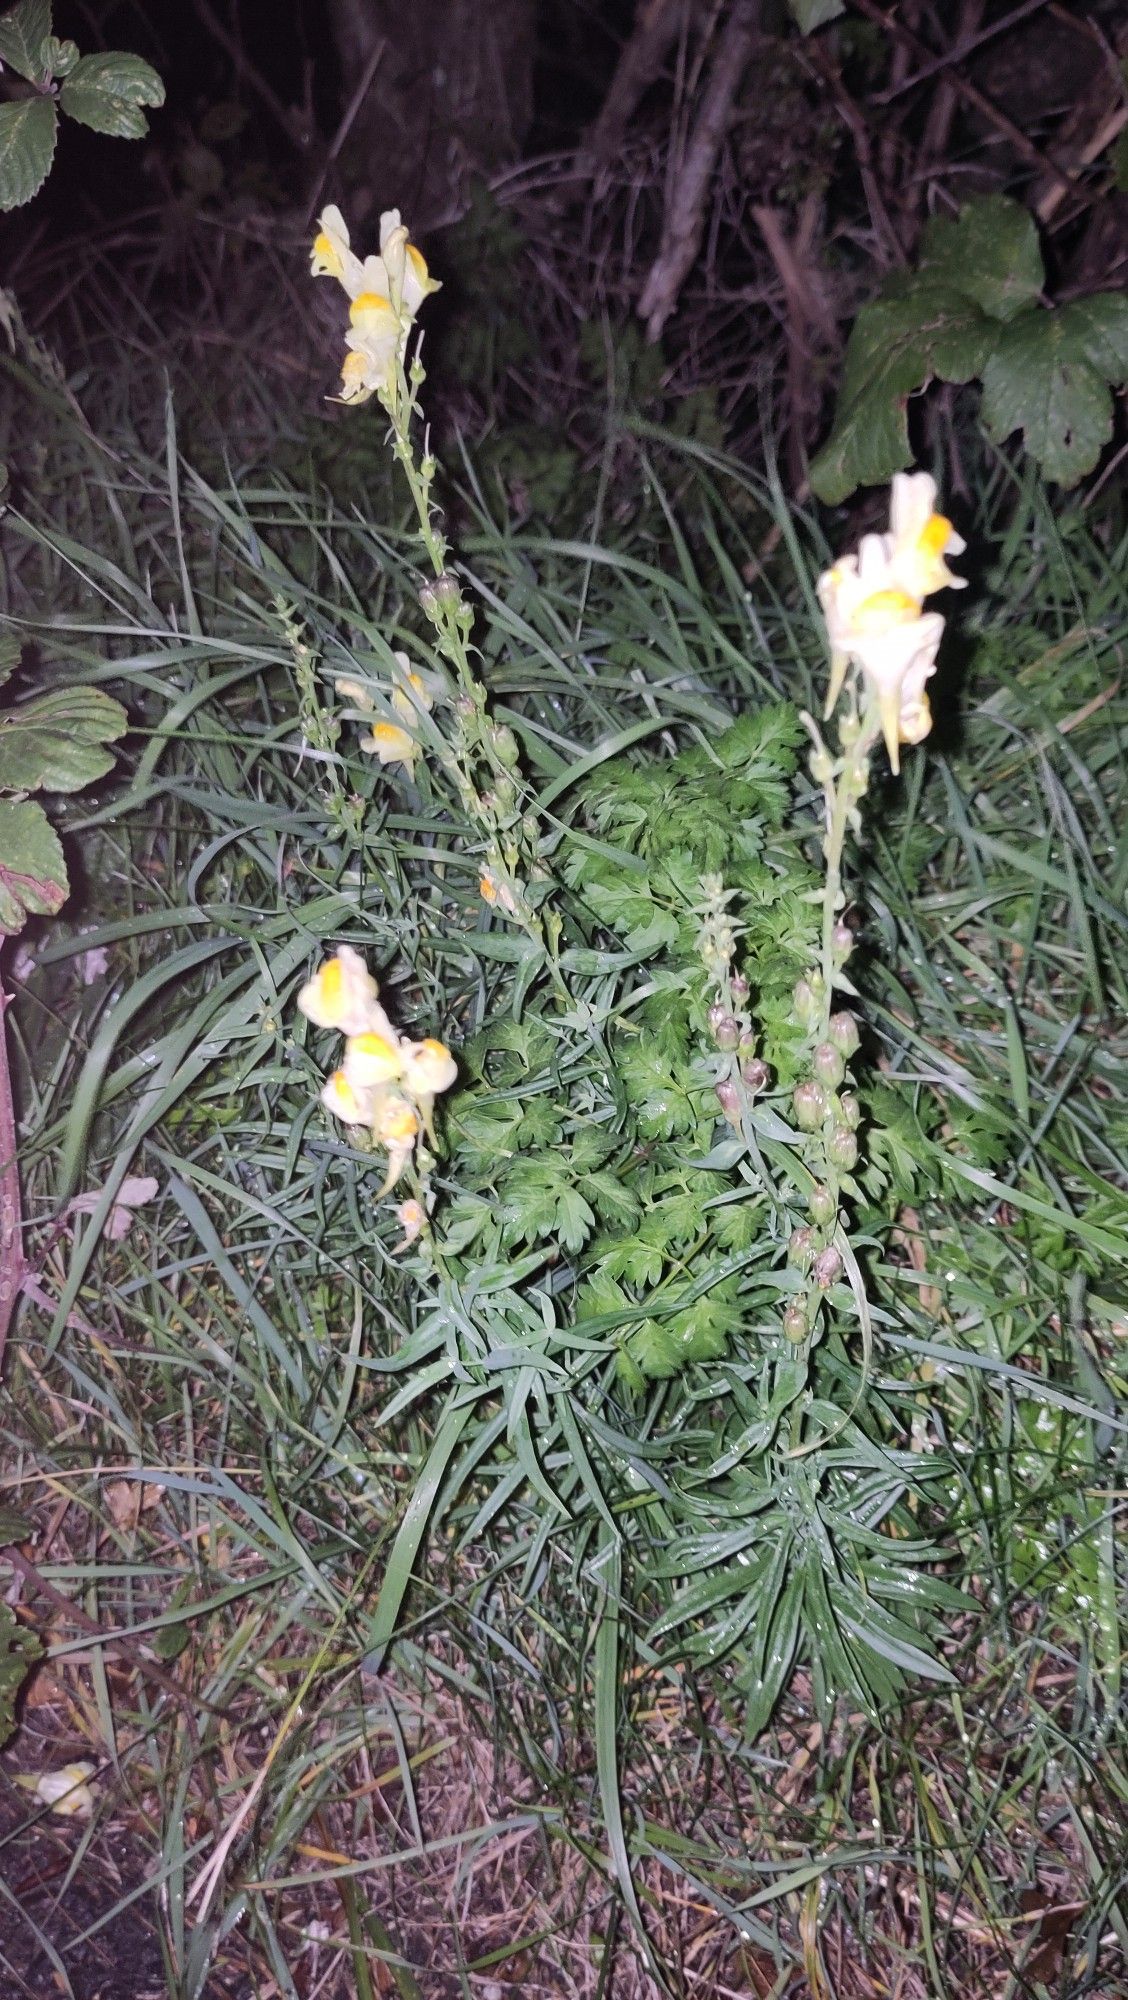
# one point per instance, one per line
(11, 1214)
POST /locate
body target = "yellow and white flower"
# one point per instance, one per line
(920, 538)
(385, 292)
(861, 601)
(373, 1059)
(411, 696)
(428, 1069)
(369, 364)
(331, 256)
(391, 744)
(409, 280)
(67, 1791)
(352, 1103)
(496, 891)
(396, 1127)
(872, 603)
(384, 1082)
(343, 994)
(412, 1219)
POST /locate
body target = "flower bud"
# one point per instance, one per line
(842, 942)
(809, 1103)
(728, 1097)
(821, 1207)
(842, 1149)
(828, 1268)
(795, 1324)
(447, 590)
(504, 745)
(800, 1248)
(739, 988)
(849, 1111)
(723, 1028)
(821, 765)
(806, 996)
(828, 1065)
(756, 1074)
(843, 1032)
(429, 599)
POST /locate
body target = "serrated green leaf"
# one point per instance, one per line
(28, 131)
(811, 14)
(988, 253)
(23, 31)
(590, 1148)
(638, 1262)
(56, 743)
(615, 1202)
(655, 1351)
(1048, 378)
(19, 1650)
(1099, 325)
(703, 1330)
(573, 1219)
(107, 92)
(898, 343)
(59, 57)
(33, 875)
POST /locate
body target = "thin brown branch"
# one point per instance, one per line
(970, 92)
(938, 125)
(351, 112)
(964, 47)
(640, 63)
(292, 124)
(807, 314)
(882, 222)
(684, 221)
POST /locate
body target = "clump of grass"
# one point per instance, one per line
(220, 1420)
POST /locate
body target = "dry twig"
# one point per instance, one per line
(684, 221)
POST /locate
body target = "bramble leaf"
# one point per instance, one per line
(106, 92)
(811, 14)
(897, 344)
(33, 875)
(1049, 378)
(28, 131)
(19, 1651)
(56, 743)
(988, 253)
(23, 32)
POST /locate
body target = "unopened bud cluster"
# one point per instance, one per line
(742, 1073)
(828, 1115)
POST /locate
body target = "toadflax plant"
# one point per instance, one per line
(628, 1169)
